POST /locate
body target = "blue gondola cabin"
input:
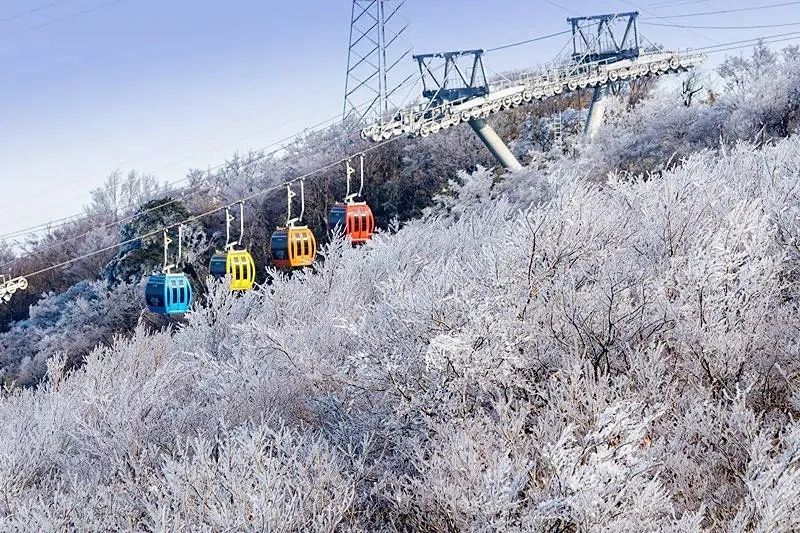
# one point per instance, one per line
(168, 294)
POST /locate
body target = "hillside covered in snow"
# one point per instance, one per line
(618, 358)
(608, 340)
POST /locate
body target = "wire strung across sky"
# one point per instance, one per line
(282, 144)
(762, 41)
(60, 19)
(673, 3)
(750, 42)
(726, 11)
(527, 41)
(747, 27)
(209, 212)
(721, 47)
(20, 14)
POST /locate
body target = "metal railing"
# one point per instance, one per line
(431, 117)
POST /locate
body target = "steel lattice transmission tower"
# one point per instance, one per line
(376, 69)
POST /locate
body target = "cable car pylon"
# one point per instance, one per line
(602, 59)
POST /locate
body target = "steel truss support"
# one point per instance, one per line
(376, 57)
(611, 37)
(464, 75)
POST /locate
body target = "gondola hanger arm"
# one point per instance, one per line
(167, 242)
(241, 224)
(228, 219)
(289, 195)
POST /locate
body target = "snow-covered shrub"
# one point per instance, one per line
(540, 355)
(71, 324)
(760, 101)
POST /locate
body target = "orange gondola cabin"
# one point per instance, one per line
(293, 246)
(353, 218)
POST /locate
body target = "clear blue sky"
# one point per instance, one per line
(162, 86)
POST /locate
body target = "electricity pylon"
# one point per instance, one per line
(376, 54)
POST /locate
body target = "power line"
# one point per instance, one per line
(702, 36)
(559, 6)
(749, 42)
(44, 226)
(725, 11)
(527, 41)
(675, 4)
(749, 27)
(212, 211)
(60, 19)
(25, 13)
(764, 41)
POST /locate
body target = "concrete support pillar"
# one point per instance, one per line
(596, 111)
(495, 144)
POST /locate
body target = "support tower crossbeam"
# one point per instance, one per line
(436, 115)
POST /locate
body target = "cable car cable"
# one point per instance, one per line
(65, 221)
(527, 41)
(285, 140)
(209, 212)
(725, 11)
